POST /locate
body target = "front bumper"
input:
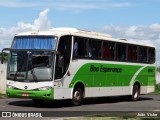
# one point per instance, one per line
(32, 94)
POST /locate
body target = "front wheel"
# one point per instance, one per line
(135, 93)
(77, 96)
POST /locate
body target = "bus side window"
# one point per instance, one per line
(89, 48)
(94, 48)
(151, 55)
(75, 48)
(106, 50)
(112, 50)
(80, 47)
(99, 54)
(121, 51)
(129, 53)
(134, 53)
(142, 55)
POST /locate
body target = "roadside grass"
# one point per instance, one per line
(3, 96)
(114, 118)
(122, 116)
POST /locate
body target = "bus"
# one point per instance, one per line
(70, 63)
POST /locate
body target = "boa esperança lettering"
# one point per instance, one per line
(104, 69)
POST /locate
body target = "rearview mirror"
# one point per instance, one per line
(2, 54)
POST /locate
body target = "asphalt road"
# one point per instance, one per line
(113, 105)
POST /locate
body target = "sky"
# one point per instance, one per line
(137, 20)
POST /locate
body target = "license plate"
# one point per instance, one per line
(25, 94)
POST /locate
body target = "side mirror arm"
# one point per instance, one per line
(2, 54)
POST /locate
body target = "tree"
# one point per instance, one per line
(5, 56)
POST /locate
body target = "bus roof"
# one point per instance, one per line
(83, 33)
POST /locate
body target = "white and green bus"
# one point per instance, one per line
(68, 63)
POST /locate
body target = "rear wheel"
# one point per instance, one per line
(135, 93)
(77, 96)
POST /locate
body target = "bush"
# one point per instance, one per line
(157, 86)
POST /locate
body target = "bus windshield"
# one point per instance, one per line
(31, 66)
(31, 58)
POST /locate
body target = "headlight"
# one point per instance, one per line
(10, 86)
(45, 88)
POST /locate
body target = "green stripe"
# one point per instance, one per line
(147, 78)
(101, 75)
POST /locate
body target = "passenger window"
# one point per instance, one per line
(142, 54)
(99, 49)
(75, 48)
(121, 51)
(108, 50)
(151, 55)
(94, 49)
(132, 53)
(80, 47)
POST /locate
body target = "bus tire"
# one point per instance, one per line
(37, 101)
(135, 93)
(77, 96)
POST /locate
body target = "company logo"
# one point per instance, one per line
(25, 87)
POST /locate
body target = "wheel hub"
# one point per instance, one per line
(77, 95)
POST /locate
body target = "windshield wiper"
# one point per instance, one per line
(15, 76)
(34, 75)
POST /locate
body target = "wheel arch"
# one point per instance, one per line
(81, 85)
(138, 84)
